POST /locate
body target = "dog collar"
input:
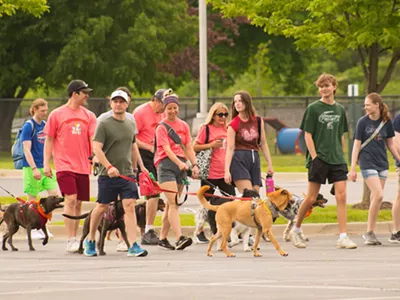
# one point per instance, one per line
(271, 207)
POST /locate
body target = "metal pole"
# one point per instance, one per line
(203, 58)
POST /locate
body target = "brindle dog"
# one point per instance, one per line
(111, 220)
(28, 216)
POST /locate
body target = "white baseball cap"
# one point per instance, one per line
(120, 94)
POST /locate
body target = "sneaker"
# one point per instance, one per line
(370, 238)
(150, 238)
(137, 251)
(122, 247)
(74, 245)
(48, 233)
(164, 244)
(183, 242)
(346, 243)
(201, 238)
(297, 239)
(37, 234)
(90, 248)
(395, 238)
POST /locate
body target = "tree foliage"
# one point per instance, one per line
(32, 7)
(369, 27)
(107, 43)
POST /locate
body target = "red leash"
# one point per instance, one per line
(192, 193)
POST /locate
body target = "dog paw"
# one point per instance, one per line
(102, 253)
(247, 250)
(284, 253)
(209, 254)
(257, 255)
(5, 249)
(15, 249)
(45, 241)
(231, 255)
(286, 238)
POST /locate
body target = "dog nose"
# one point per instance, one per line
(62, 199)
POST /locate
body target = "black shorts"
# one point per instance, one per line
(246, 165)
(148, 161)
(221, 184)
(319, 171)
(110, 188)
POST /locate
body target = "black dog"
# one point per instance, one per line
(30, 215)
(111, 220)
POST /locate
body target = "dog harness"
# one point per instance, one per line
(110, 216)
(37, 208)
(269, 207)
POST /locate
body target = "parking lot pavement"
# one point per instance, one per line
(319, 272)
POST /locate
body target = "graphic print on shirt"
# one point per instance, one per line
(76, 129)
(370, 129)
(329, 119)
(41, 137)
(249, 135)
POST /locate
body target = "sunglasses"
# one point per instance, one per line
(221, 115)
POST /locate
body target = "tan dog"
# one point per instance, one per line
(241, 211)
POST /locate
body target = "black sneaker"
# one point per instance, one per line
(164, 244)
(183, 242)
(395, 238)
(150, 238)
(201, 238)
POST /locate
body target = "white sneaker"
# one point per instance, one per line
(37, 234)
(297, 239)
(346, 243)
(72, 246)
(122, 247)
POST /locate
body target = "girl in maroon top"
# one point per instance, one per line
(242, 162)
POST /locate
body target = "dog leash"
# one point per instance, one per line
(12, 195)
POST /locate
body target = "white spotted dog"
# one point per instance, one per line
(294, 206)
(200, 218)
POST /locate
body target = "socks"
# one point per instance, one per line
(148, 227)
(296, 229)
(342, 235)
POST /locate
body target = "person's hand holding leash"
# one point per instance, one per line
(112, 171)
(352, 175)
(183, 166)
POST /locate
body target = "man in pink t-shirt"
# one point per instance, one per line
(69, 131)
(147, 116)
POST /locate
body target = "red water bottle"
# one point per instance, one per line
(269, 184)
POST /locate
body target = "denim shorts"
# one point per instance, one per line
(371, 172)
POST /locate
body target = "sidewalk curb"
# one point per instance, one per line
(383, 228)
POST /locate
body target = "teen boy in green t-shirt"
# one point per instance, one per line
(324, 123)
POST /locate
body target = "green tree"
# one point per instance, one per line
(105, 44)
(369, 27)
(33, 7)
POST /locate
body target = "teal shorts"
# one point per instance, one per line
(33, 187)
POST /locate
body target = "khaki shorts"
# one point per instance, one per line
(33, 187)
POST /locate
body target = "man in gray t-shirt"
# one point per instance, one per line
(114, 145)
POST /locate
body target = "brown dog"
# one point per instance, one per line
(30, 215)
(242, 211)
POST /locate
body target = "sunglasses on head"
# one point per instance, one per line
(222, 115)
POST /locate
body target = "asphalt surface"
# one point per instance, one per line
(319, 272)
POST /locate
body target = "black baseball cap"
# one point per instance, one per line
(78, 85)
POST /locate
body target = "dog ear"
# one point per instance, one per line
(284, 192)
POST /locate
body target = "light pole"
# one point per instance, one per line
(201, 115)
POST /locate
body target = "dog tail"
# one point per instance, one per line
(76, 217)
(203, 200)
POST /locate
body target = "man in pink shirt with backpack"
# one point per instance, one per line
(69, 131)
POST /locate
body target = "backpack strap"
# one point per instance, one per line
(171, 133)
(33, 127)
(207, 134)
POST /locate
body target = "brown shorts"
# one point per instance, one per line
(71, 183)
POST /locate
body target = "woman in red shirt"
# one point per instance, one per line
(170, 160)
(242, 161)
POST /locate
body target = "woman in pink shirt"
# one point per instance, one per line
(170, 161)
(242, 163)
(217, 123)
